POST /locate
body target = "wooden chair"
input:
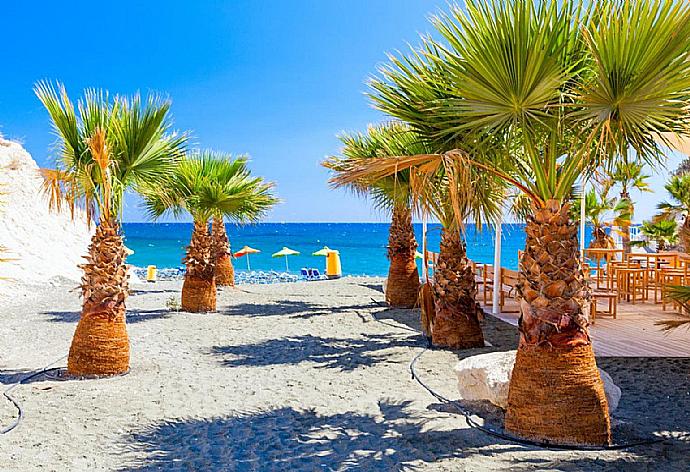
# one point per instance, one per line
(487, 283)
(611, 297)
(672, 276)
(509, 280)
(631, 283)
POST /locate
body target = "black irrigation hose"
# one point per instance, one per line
(15, 402)
(497, 434)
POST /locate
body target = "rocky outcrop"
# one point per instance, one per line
(487, 376)
(41, 243)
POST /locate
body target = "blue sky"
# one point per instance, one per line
(275, 79)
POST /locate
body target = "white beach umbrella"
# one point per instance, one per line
(285, 252)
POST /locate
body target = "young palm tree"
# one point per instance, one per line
(391, 193)
(678, 189)
(629, 176)
(224, 270)
(208, 186)
(103, 150)
(566, 90)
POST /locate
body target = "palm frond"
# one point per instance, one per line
(208, 184)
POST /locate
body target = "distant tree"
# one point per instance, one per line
(678, 206)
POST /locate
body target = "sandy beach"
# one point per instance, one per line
(302, 376)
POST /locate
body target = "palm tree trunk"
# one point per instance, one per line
(556, 393)
(100, 345)
(684, 235)
(199, 288)
(402, 288)
(225, 272)
(456, 322)
(625, 229)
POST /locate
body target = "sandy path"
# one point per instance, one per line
(306, 376)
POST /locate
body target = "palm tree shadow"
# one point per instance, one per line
(296, 309)
(13, 376)
(375, 287)
(133, 316)
(291, 439)
(345, 354)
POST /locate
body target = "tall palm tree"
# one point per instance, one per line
(678, 206)
(628, 175)
(567, 89)
(208, 185)
(438, 192)
(103, 149)
(393, 194)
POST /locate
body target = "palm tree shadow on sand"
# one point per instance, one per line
(291, 439)
(294, 308)
(345, 354)
(133, 316)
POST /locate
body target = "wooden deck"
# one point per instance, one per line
(632, 334)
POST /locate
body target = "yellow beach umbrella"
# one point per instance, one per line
(245, 251)
(285, 252)
(325, 251)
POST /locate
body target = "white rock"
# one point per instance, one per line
(43, 244)
(487, 376)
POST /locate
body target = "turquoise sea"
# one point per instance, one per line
(362, 246)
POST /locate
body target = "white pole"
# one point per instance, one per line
(495, 309)
(287, 267)
(424, 248)
(583, 208)
(248, 268)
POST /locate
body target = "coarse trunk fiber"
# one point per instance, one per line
(402, 288)
(224, 271)
(199, 288)
(684, 235)
(556, 394)
(100, 345)
(457, 313)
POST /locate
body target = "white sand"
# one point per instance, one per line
(305, 376)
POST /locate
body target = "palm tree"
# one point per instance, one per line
(629, 176)
(105, 148)
(438, 192)
(393, 194)
(678, 189)
(567, 89)
(662, 232)
(208, 185)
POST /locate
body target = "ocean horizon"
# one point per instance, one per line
(362, 246)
